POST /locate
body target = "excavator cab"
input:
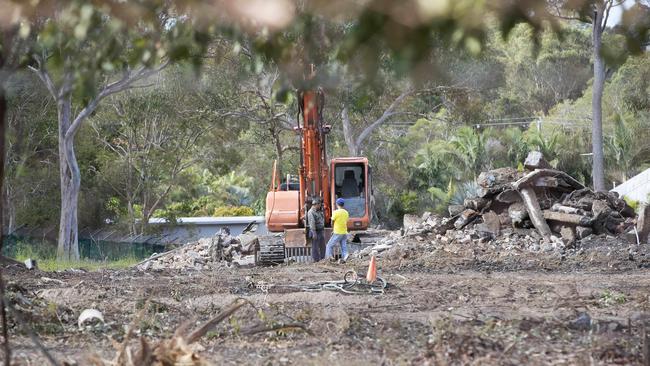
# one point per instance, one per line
(351, 180)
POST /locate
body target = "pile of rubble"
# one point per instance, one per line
(535, 209)
(206, 253)
(559, 208)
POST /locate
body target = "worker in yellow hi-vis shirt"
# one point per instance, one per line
(339, 231)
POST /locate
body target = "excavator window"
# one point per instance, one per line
(290, 184)
(290, 187)
(350, 185)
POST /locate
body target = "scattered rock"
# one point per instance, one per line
(492, 222)
(583, 232)
(465, 218)
(411, 221)
(583, 322)
(88, 315)
(535, 160)
(643, 224)
(455, 210)
(30, 263)
(205, 253)
(568, 235)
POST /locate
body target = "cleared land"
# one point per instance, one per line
(444, 305)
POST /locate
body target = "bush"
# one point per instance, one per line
(632, 203)
(233, 211)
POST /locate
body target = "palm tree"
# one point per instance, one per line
(627, 147)
(469, 147)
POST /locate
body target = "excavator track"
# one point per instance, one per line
(271, 250)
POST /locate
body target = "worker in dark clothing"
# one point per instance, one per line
(316, 221)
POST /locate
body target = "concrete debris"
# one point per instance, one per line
(455, 210)
(535, 210)
(30, 263)
(643, 224)
(89, 315)
(466, 217)
(535, 160)
(206, 253)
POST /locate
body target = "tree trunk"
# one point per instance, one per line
(278, 151)
(353, 148)
(3, 120)
(131, 212)
(598, 167)
(9, 209)
(68, 244)
(145, 220)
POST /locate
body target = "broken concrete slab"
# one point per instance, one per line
(534, 211)
(508, 196)
(410, 221)
(567, 218)
(455, 210)
(465, 218)
(492, 223)
(476, 204)
(517, 213)
(530, 178)
(583, 232)
(568, 235)
(535, 160)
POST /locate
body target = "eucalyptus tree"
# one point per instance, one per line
(85, 53)
(634, 26)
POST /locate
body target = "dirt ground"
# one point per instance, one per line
(443, 305)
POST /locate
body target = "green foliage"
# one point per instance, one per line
(469, 147)
(88, 42)
(233, 211)
(546, 143)
(241, 108)
(23, 250)
(210, 195)
(45, 256)
(609, 298)
(632, 203)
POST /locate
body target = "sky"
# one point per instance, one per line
(616, 13)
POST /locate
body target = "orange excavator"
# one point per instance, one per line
(288, 202)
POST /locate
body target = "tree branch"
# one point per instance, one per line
(389, 112)
(44, 76)
(123, 84)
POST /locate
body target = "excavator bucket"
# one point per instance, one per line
(282, 205)
(282, 210)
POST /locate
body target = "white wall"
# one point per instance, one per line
(636, 188)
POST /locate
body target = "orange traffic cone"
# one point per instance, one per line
(372, 270)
